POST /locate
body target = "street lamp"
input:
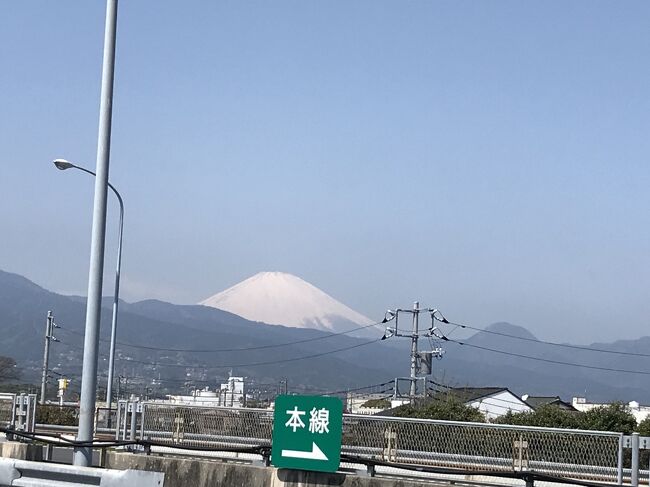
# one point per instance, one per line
(62, 164)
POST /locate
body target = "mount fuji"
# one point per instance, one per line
(278, 298)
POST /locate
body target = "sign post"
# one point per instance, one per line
(307, 433)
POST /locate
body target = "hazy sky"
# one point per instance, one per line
(487, 158)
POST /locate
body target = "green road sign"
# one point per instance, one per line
(307, 433)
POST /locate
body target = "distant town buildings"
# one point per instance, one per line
(638, 411)
(537, 402)
(231, 394)
(491, 401)
(366, 403)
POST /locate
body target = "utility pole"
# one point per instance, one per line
(414, 351)
(49, 336)
(283, 386)
(420, 361)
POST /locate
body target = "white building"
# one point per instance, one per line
(491, 401)
(355, 403)
(231, 394)
(638, 411)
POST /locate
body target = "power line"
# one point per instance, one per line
(544, 342)
(559, 362)
(242, 349)
(343, 391)
(206, 366)
(254, 364)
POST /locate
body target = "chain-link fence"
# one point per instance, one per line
(484, 447)
(588, 455)
(18, 411)
(205, 426)
(7, 402)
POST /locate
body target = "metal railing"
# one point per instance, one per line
(7, 405)
(579, 454)
(18, 411)
(477, 447)
(485, 447)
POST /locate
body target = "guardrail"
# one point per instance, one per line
(579, 454)
(18, 411)
(22, 472)
(7, 405)
(481, 447)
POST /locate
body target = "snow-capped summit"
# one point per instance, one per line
(278, 298)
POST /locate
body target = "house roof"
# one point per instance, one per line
(463, 394)
(536, 402)
(471, 394)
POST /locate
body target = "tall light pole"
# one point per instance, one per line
(62, 164)
(83, 454)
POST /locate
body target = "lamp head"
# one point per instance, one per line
(62, 164)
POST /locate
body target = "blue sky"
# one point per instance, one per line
(487, 158)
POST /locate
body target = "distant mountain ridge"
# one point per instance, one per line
(266, 353)
(279, 298)
(239, 344)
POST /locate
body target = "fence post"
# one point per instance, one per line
(635, 460)
(12, 421)
(124, 421)
(117, 420)
(31, 412)
(143, 409)
(134, 417)
(620, 460)
(48, 452)
(21, 412)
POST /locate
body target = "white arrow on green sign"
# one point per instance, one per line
(307, 433)
(315, 453)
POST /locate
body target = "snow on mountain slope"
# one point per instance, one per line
(279, 298)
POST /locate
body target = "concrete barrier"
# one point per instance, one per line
(45, 474)
(21, 451)
(182, 472)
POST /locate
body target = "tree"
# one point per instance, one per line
(613, 417)
(644, 427)
(51, 414)
(548, 416)
(448, 407)
(376, 403)
(8, 369)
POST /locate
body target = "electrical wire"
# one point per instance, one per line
(254, 364)
(161, 381)
(442, 319)
(559, 362)
(544, 342)
(343, 391)
(242, 349)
